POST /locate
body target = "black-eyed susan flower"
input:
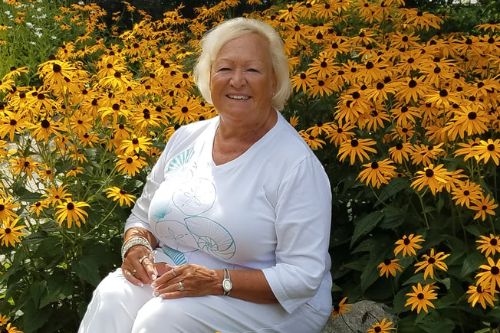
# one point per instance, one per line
(70, 212)
(135, 145)
(389, 267)
(55, 195)
(487, 149)
(117, 194)
(341, 308)
(3, 320)
(356, 149)
(21, 165)
(490, 276)
(12, 123)
(426, 154)
(471, 120)
(432, 261)
(301, 82)
(9, 328)
(411, 90)
(489, 245)
(433, 177)
(383, 326)
(340, 133)
(421, 297)
(8, 207)
(130, 164)
(10, 232)
(401, 152)
(465, 192)
(314, 141)
(377, 173)
(483, 207)
(408, 245)
(478, 294)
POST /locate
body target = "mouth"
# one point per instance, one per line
(238, 97)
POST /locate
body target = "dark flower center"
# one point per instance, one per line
(443, 93)
(472, 115)
(374, 165)
(45, 123)
(369, 65)
(420, 296)
(13, 122)
(387, 262)
(431, 260)
(356, 95)
(303, 76)
(8, 230)
(184, 109)
(412, 84)
(494, 242)
(354, 143)
(495, 270)
(377, 329)
(429, 173)
(466, 192)
(70, 206)
(130, 160)
(135, 141)
(380, 86)
(56, 68)
(490, 147)
(115, 107)
(406, 241)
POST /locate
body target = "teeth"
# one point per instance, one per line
(238, 97)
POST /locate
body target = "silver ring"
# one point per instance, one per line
(143, 258)
(181, 286)
(134, 271)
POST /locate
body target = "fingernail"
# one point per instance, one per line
(141, 284)
(154, 276)
(155, 293)
(153, 284)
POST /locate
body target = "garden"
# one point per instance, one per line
(400, 103)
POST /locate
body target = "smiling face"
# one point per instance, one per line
(242, 78)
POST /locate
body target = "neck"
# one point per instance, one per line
(245, 131)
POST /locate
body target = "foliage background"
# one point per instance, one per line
(50, 266)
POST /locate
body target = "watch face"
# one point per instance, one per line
(227, 285)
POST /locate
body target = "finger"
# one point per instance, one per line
(149, 268)
(129, 275)
(174, 286)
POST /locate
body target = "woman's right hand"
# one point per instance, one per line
(138, 266)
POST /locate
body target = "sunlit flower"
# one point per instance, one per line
(408, 245)
(401, 152)
(130, 164)
(135, 145)
(7, 207)
(117, 194)
(486, 150)
(466, 192)
(70, 212)
(431, 262)
(10, 234)
(389, 267)
(421, 297)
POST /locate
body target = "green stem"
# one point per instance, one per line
(101, 221)
(423, 209)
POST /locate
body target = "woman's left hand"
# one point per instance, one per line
(186, 280)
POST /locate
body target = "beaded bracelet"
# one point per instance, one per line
(134, 241)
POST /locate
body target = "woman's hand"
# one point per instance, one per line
(186, 280)
(138, 266)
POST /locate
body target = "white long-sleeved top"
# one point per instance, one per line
(268, 209)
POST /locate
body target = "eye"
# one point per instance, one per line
(253, 70)
(223, 69)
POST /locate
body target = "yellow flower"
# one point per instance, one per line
(7, 207)
(484, 206)
(486, 150)
(401, 152)
(356, 148)
(466, 192)
(490, 275)
(421, 297)
(10, 233)
(431, 261)
(377, 173)
(341, 307)
(71, 211)
(481, 295)
(383, 326)
(117, 194)
(490, 245)
(435, 178)
(135, 145)
(408, 244)
(130, 164)
(312, 140)
(389, 267)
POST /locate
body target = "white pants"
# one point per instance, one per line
(118, 306)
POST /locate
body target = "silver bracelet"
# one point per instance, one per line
(134, 241)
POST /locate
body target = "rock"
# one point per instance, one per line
(361, 317)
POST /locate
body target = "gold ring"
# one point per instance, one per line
(181, 286)
(134, 271)
(143, 258)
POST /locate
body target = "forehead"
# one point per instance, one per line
(249, 46)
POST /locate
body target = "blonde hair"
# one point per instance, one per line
(213, 41)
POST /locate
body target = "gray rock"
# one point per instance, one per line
(362, 316)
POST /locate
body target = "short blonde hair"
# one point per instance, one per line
(213, 41)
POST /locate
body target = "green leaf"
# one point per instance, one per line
(365, 225)
(394, 217)
(472, 263)
(394, 187)
(369, 276)
(434, 323)
(88, 270)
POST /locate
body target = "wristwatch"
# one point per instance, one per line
(227, 284)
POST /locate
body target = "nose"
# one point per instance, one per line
(237, 79)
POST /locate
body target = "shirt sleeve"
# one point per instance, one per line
(303, 220)
(139, 213)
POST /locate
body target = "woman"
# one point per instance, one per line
(238, 208)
